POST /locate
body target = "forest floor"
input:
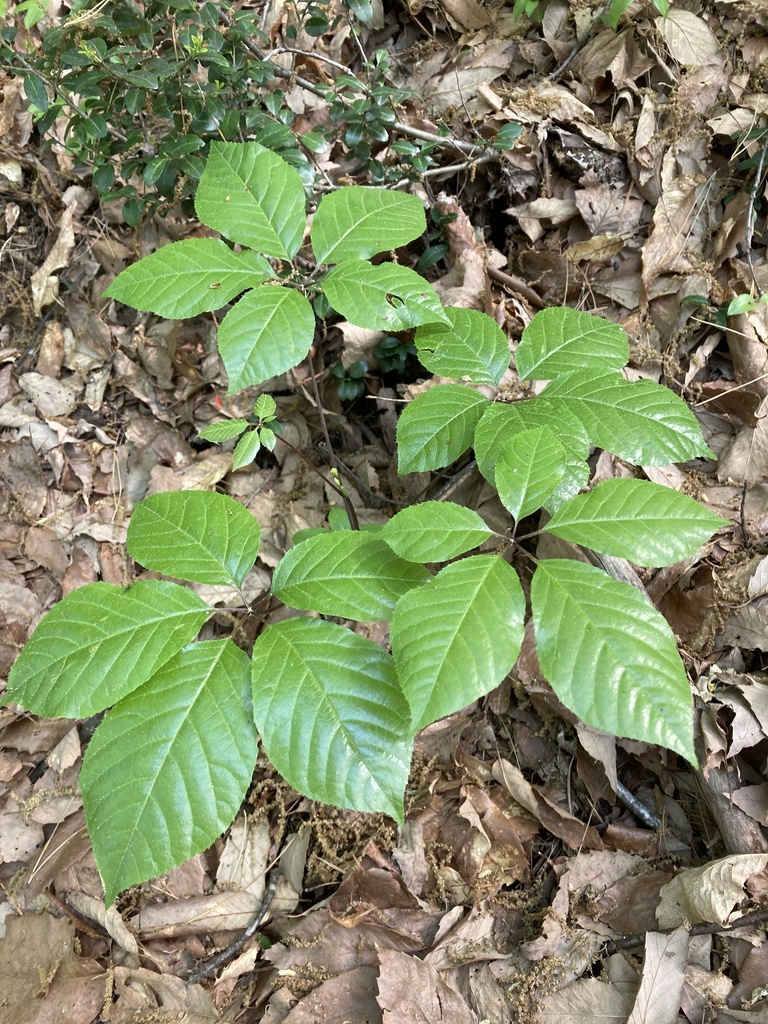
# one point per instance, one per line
(546, 873)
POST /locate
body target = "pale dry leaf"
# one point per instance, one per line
(709, 893)
(753, 800)
(108, 917)
(584, 1002)
(143, 994)
(43, 283)
(411, 989)
(661, 986)
(689, 39)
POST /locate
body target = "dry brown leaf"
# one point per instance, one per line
(585, 1000)
(710, 893)
(144, 994)
(412, 990)
(661, 986)
(689, 39)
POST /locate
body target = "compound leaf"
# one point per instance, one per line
(252, 196)
(167, 770)
(471, 346)
(331, 715)
(561, 340)
(384, 298)
(194, 535)
(268, 332)
(437, 427)
(346, 573)
(355, 223)
(610, 656)
(529, 469)
(187, 278)
(640, 421)
(434, 531)
(455, 639)
(635, 519)
(99, 643)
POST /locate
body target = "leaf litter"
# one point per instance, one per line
(546, 872)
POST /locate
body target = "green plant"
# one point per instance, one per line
(336, 714)
(350, 381)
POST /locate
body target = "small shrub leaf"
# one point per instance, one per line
(252, 196)
(455, 639)
(194, 535)
(346, 573)
(167, 770)
(529, 469)
(246, 449)
(331, 715)
(187, 278)
(610, 656)
(561, 340)
(640, 421)
(635, 519)
(471, 347)
(355, 223)
(269, 331)
(223, 431)
(437, 427)
(101, 642)
(384, 298)
(434, 531)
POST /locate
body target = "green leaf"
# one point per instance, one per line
(355, 223)
(434, 531)
(268, 332)
(744, 303)
(561, 340)
(635, 519)
(268, 438)
(223, 431)
(194, 535)
(36, 92)
(437, 427)
(252, 196)
(455, 639)
(610, 656)
(265, 407)
(167, 770)
(99, 643)
(615, 11)
(331, 715)
(471, 347)
(345, 573)
(246, 450)
(186, 278)
(640, 421)
(384, 298)
(530, 467)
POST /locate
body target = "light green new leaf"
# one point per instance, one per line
(455, 639)
(472, 346)
(99, 643)
(346, 573)
(187, 278)
(268, 332)
(500, 423)
(194, 535)
(640, 421)
(167, 770)
(385, 298)
(561, 340)
(610, 656)
(434, 531)
(331, 715)
(437, 427)
(225, 430)
(635, 519)
(529, 470)
(252, 196)
(246, 450)
(355, 223)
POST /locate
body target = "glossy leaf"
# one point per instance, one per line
(345, 573)
(610, 656)
(437, 427)
(99, 643)
(530, 467)
(187, 278)
(167, 770)
(194, 535)
(640, 421)
(355, 223)
(252, 196)
(268, 332)
(635, 519)
(384, 298)
(331, 715)
(455, 639)
(434, 531)
(470, 347)
(562, 340)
